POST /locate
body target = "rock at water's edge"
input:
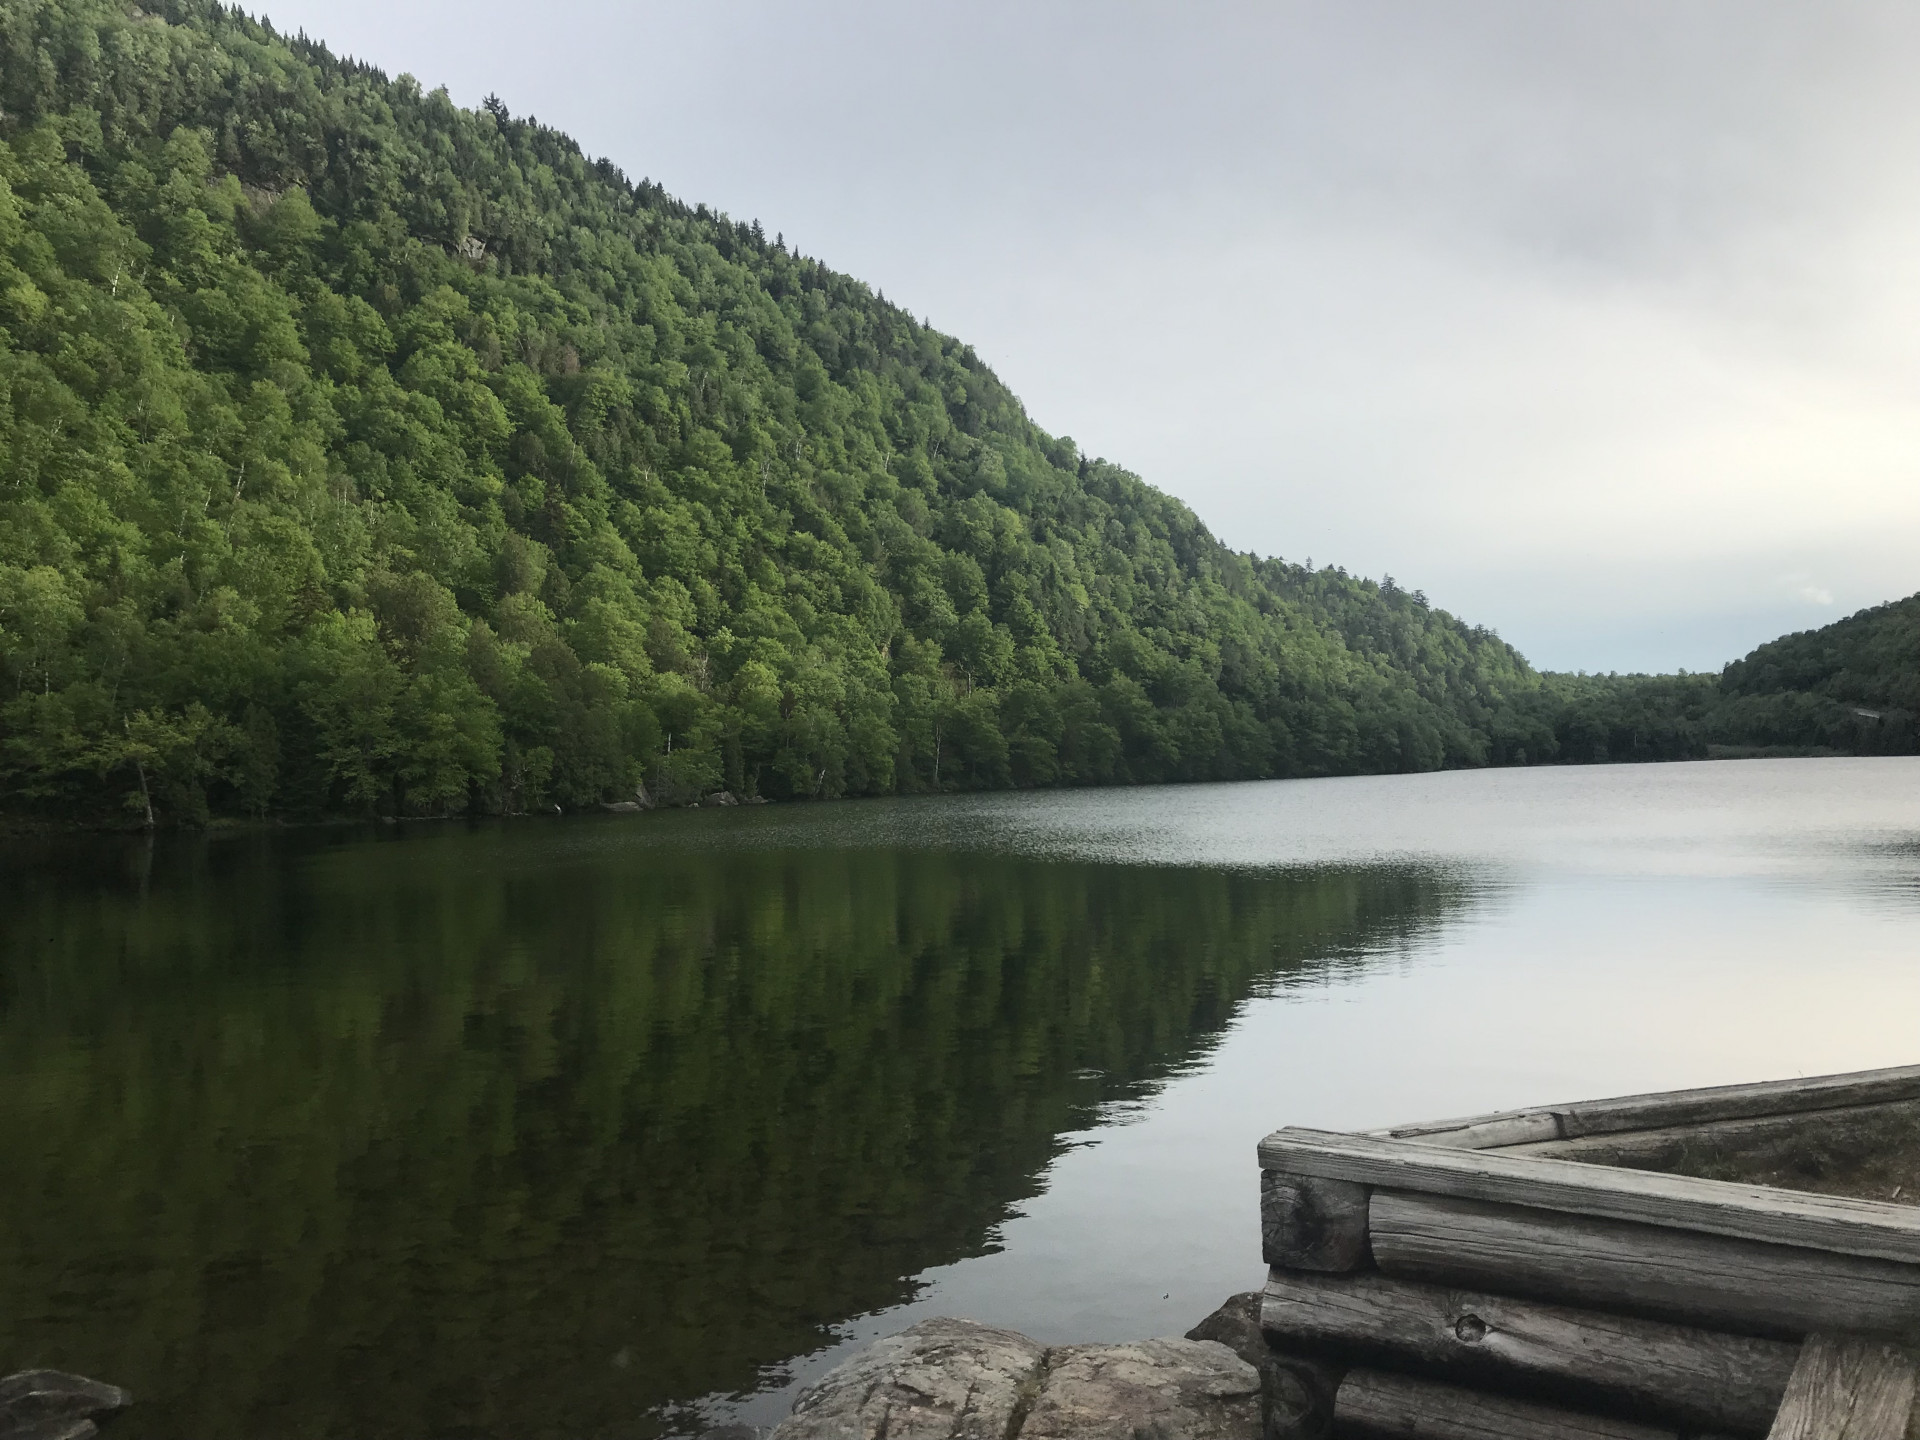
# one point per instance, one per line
(1236, 1325)
(74, 1429)
(938, 1380)
(957, 1380)
(53, 1405)
(1299, 1391)
(1179, 1389)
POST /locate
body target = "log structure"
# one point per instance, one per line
(1307, 1223)
(1654, 1270)
(1713, 1207)
(1404, 1407)
(1606, 1268)
(1708, 1379)
(1667, 1108)
(1846, 1388)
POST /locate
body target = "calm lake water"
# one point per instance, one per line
(626, 1126)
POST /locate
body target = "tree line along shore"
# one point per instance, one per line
(369, 455)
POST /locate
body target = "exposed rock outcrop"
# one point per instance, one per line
(1166, 1389)
(641, 801)
(957, 1380)
(940, 1380)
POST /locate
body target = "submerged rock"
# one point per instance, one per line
(53, 1405)
(938, 1380)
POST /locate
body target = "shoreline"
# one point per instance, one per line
(19, 825)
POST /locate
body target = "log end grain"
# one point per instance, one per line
(1307, 1223)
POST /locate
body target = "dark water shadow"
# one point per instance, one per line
(499, 1133)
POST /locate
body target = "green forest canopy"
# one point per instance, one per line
(365, 453)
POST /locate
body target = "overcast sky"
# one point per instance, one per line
(1597, 320)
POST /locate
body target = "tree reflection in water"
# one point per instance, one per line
(491, 1133)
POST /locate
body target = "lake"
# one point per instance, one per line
(625, 1126)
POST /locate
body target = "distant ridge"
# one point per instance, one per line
(1849, 688)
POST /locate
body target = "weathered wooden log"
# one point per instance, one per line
(1480, 1132)
(1732, 1102)
(1655, 1271)
(1401, 1407)
(1773, 1143)
(1312, 1224)
(1671, 1107)
(1496, 1132)
(1296, 1390)
(1299, 1396)
(1661, 1371)
(1847, 1388)
(1718, 1207)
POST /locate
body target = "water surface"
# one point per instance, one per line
(622, 1126)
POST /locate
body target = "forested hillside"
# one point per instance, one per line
(367, 454)
(1849, 688)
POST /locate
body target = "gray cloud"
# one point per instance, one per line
(1595, 320)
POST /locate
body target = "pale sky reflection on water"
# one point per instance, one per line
(1637, 928)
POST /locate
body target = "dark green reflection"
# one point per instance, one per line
(496, 1133)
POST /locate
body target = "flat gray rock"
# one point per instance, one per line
(939, 1380)
(1147, 1390)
